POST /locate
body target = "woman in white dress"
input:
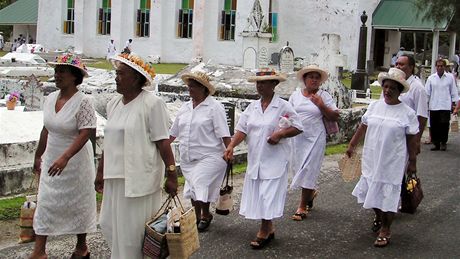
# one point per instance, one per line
(66, 199)
(202, 129)
(312, 104)
(136, 151)
(266, 180)
(390, 147)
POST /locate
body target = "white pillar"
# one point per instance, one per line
(198, 28)
(79, 21)
(453, 38)
(434, 52)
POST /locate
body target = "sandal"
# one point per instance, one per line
(260, 243)
(382, 241)
(299, 216)
(376, 225)
(310, 203)
(203, 225)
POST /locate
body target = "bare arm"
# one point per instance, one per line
(329, 113)
(99, 181)
(226, 141)
(40, 150)
(235, 141)
(411, 142)
(359, 134)
(421, 128)
(168, 159)
(284, 133)
(58, 166)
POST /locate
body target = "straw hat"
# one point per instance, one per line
(394, 74)
(69, 59)
(201, 78)
(265, 75)
(137, 63)
(312, 68)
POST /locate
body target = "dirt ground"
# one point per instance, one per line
(10, 232)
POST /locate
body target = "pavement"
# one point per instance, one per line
(337, 227)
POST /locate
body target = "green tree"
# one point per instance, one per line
(5, 3)
(439, 10)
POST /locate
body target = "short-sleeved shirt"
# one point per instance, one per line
(416, 97)
(266, 161)
(200, 130)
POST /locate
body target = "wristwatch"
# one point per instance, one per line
(171, 168)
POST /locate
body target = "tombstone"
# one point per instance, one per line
(230, 113)
(250, 58)
(286, 63)
(33, 94)
(263, 57)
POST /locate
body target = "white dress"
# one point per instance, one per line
(384, 154)
(67, 203)
(265, 182)
(309, 146)
(200, 131)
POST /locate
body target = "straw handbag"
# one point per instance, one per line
(225, 202)
(454, 124)
(186, 242)
(27, 233)
(350, 167)
(155, 245)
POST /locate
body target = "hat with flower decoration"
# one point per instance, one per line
(137, 63)
(201, 78)
(69, 59)
(267, 74)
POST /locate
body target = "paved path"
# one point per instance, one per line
(337, 227)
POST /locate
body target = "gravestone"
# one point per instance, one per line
(33, 94)
(250, 58)
(230, 113)
(286, 63)
(263, 57)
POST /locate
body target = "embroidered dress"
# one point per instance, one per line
(200, 131)
(67, 203)
(384, 154)
(309, 146)
(265, 182)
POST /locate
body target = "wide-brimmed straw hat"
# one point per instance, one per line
(265, 75)
(201, 78)
(394, 74)
(312, 68)
(137, 63)
(69, 59)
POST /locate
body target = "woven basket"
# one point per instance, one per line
(350, 167)
(185, 243)
(454, 124)
(155, 244)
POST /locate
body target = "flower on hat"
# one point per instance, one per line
(146, 66)
(13, 96)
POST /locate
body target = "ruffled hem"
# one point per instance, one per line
(383, 196)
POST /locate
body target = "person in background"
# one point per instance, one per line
(442, 94)
(111, 50)
(311, 104)
(202, 129)
(128, 47)
(389, 128)
(64, 159)
(136, 153)
(266, 179)
(2, 41)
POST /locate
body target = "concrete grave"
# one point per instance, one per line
(33, 94)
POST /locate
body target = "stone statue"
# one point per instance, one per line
(255, 19)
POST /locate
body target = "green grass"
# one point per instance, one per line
(10, 208)
(167, 68)
(2, 53)
(336, 149)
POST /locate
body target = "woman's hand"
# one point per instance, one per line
(37, 166)
(275, 138)
(228, 154)
(411, 167)
(99, 183)
(58, 166)
(317, 100)
(171, 183)
(350, 151)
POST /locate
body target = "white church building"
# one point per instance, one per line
(182, 30)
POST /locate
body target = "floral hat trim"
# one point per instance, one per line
(138, 64)
(71, 60)
(267, 74)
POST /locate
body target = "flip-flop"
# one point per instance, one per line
(260, 243)
(299, 216)
(382, 241)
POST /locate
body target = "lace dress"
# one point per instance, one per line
(67, 203)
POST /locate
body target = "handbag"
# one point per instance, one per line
(350, 167)
(225, 202)
(332, 127)
(184, 243)
(155, 244)
(412, 194)
(26, 217)
(454, 124)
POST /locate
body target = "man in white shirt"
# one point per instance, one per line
(111, 50)
(128, 49)
(442, 94)
(416, 97)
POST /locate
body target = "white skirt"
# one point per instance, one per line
(383, 196)
(309, 155)
(264, 199)
(203, 178)
(122, 219)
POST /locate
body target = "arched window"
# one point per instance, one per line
(104, 16)
(227, 24)
(143, 19)
(273, 20)
(185, 23)
(70, 17)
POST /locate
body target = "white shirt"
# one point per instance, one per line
(128, 45)
(416, 97)
(200, 130)
(441, 91)
(266, 161)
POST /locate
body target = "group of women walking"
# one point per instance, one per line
(137, 152)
